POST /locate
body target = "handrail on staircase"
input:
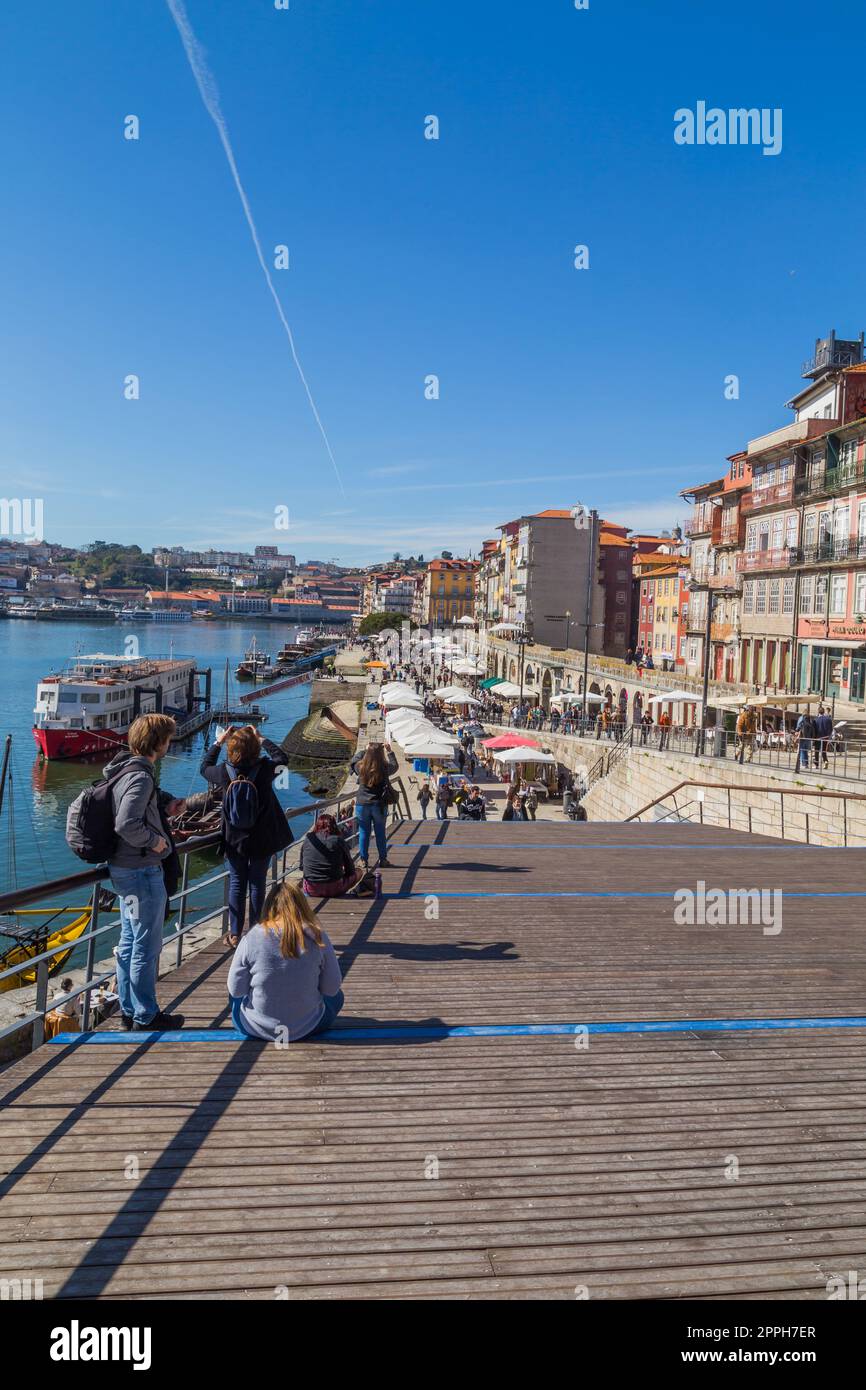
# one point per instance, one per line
(782, 792)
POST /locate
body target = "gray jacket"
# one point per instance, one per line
(137, 801)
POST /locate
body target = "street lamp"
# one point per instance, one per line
(708, 628)
(586, 521)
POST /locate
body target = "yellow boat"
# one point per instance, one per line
(39, 941)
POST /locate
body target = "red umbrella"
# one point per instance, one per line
(510, 741)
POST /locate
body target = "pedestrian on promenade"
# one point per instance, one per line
(326, 863)
(664, 730)
(511, 811)
(443, 796)
(805, 731)
(425, 796)
(824, 732)
(461, 757)
(285, 980)
(646, 724)
(143, 867)
(531, 801)
(745, 732)
(472, 807)
(373, 767)
(253, 826)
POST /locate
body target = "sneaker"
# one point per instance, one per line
(160, 1023)
(385, 864)
(126, 1022)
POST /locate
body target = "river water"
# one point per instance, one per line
(33, 819)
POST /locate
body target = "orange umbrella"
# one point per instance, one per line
(375, 663)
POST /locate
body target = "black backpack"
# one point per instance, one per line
(241, 805)
(90, 831)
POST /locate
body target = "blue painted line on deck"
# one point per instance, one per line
(571, 845)
(614, 893)
(488, 1030)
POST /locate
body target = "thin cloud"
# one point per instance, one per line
(209, 93)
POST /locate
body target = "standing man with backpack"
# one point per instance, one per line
(254, 825)
(143, 864)
(805, 731)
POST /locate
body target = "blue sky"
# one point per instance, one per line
(410, 257)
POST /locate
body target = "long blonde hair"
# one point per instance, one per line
(288, 912)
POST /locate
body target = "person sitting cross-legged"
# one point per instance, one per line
(285, 979)
(326, 863)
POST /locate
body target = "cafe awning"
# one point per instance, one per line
(849, 643)
(490, 682)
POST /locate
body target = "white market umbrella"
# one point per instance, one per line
(429, 747)
(466, 620)
(505, 627)
(522, 755)
(506, 688)
(399, 700)
(467, 667)
(674, 697)
(456, 695)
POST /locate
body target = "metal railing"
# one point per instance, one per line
(834, 756)
(781, 792)
(282, 864)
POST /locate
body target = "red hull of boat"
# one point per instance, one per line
(78, 743)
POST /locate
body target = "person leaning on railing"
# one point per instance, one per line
(144, 869)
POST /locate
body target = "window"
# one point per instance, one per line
(761, 596)
(791, 529)
(775, 593)
(788, 596)
(749, 596)
(778, 531)
(820, 594)
(860, 594)
(752, 536)
(810, 528)
(693, 650)
(807, 588)
(763, 535)
(838, 595)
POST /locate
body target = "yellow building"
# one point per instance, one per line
(449, 591)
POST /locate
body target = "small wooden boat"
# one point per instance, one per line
(32, 939)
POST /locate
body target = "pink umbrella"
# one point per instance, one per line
(510, 741)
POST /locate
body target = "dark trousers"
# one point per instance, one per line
(245, 875)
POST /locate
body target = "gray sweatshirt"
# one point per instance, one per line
(136, 799)
(278, 993)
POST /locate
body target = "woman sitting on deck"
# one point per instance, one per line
(285, 979)
(326, 863)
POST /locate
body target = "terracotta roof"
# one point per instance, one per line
(860, 367)
(562, 512)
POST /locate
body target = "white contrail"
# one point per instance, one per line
(210, 96)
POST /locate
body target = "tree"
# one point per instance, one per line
(374, 623)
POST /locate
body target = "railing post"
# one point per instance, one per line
(729, 808)
(807, 827)
(782, 812)
(91, 954)
(41, 1004)
(181, 912)
(845, 821)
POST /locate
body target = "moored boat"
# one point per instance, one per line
(88, 707)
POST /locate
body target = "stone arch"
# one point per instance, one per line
(513, 669)
(546, 687)
(594, 688)
(637, 707)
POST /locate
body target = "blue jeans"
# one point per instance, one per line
(367, 816)
(245, 874)
(333, 1004)
(142, 898)
(441, 810)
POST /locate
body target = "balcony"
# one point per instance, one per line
(829, 551)
(730, 582)
(773, 496)
(833, 480)
(722, 632)
(767, 559)
(732, 530)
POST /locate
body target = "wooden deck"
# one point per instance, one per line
(482, 1167)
